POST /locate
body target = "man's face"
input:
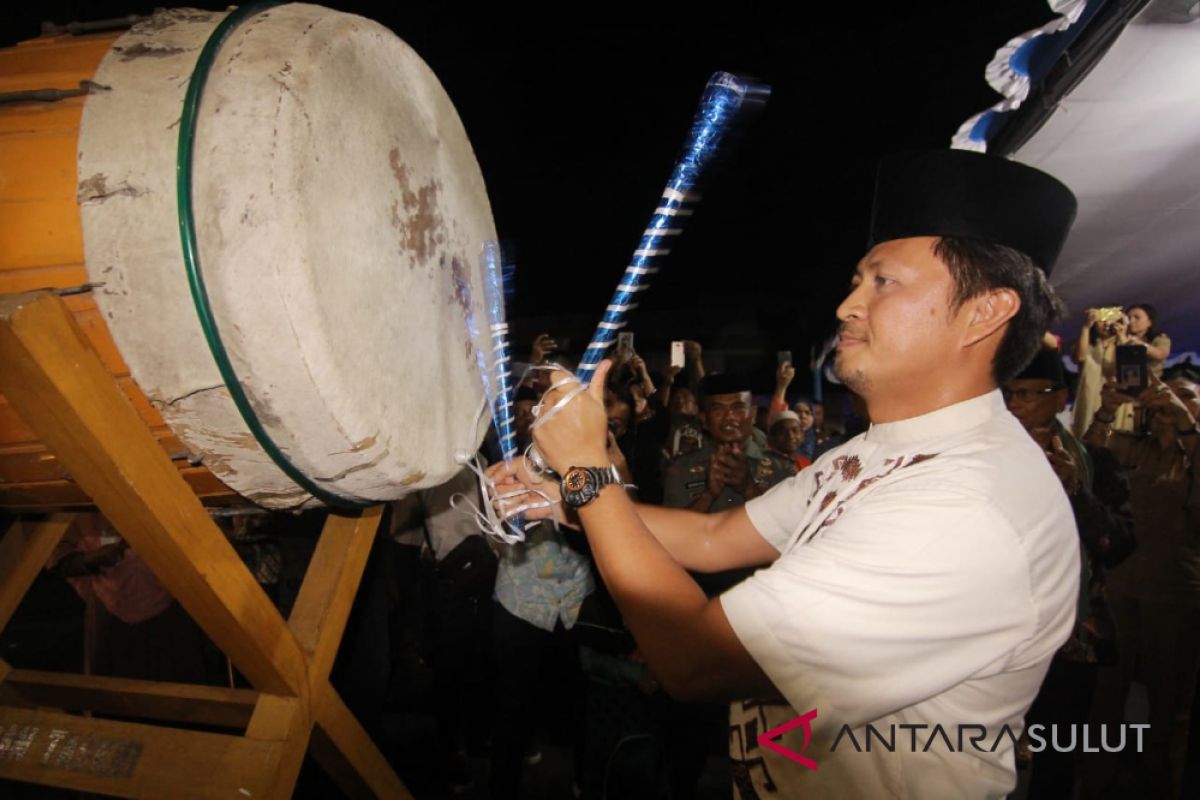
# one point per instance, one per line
(1034, 401)
(897, 328)
(805, 413)
(684, 402)
(729, 417)
(786, 436)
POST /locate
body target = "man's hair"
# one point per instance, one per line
(977, 267)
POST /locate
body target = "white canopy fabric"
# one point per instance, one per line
(1127, 141)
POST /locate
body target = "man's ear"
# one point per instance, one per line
(987, 312)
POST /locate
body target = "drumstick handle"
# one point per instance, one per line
(725, 97)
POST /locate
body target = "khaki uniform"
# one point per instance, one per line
(686, 476)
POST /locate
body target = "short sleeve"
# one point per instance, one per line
(908, 594)
(777, 512)
(1163, 342)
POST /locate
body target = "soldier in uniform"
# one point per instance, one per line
(731, 466)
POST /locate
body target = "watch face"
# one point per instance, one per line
(575, 480)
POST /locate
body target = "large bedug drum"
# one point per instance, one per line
(339, 215)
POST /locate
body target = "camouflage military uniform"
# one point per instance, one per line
(687, 475)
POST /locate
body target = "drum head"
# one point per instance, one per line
(340, 215)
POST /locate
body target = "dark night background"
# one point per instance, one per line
(576, 114)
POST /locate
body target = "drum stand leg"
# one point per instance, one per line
(59, 387)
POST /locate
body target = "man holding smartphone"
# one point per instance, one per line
(923, 573)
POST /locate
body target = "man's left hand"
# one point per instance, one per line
(1064, 465)
(735, 468)
(577, 434)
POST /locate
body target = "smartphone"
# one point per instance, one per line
(1132, 374)
(677, 357)
(625, 342)
(783, 355)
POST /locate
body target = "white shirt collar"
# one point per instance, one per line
(940, 424)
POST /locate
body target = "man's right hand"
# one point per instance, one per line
(1112, 398)
(716, 474)
(543, 345)
(783, 376)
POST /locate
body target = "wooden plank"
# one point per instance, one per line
(41, 276)
(282, 719)
(343, 749)
(60, 388)
(33, 463)
(131, 760)
(331, 581)
(9, 694)
(41, 232)
(23, 553)
(40, 496)
(124, 697)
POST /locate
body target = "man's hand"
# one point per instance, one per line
(543, 345)
(1111, 397)
(783, 377)
(638, 364)
(1158, 396)
(691, 350)
(1064, 465)
(516, 477)
(577, 434)
(734, 467)
(716, 476)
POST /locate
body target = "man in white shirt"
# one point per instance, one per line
(920, 576)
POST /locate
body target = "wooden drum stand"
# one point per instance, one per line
(59, 387)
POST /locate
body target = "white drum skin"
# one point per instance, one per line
(340, 217)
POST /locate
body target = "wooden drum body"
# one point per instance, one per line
(339, 216)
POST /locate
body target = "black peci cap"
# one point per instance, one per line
(724, 383)
(972, 195)
(1046, 365)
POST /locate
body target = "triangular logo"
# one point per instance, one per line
(805, 720)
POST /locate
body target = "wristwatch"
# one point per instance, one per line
(580, 485)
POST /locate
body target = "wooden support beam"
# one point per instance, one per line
(343, 749)
(124, 697)
(23, 553)
(131, 760)
(60, 388)
(331, 581)
(282, 719)
(10, 696)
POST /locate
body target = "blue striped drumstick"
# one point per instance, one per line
(725, 100)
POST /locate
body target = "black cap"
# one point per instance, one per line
(1046, 366)
(972, 195)
(724, 383)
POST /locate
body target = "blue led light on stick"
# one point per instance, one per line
(502, 402)
(725, 97)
